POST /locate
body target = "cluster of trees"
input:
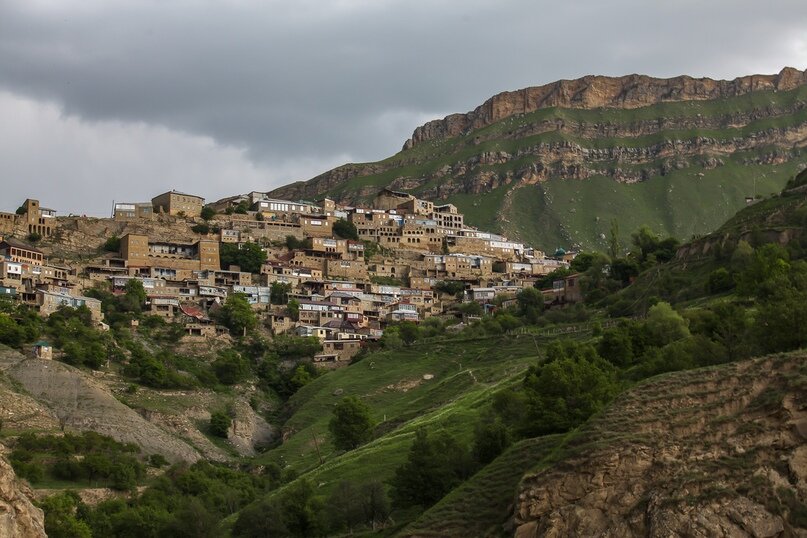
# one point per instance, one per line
(285, 367)
(298, 512)
(185, 502)
(292, 243)
(345, 229)
(236, 314)
(119, 310)
(89, 457)
(248, 256)
(436, 464)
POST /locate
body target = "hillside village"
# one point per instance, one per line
(339, 273)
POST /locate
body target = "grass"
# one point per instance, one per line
(681, 204)
(466, 372)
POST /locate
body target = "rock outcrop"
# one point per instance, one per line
(632, 91)
(19, 518)
(714, 452)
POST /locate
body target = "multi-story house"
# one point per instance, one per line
(126, 211)
(168, 259)
(178, 203)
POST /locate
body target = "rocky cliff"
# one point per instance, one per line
(711, 452)
(632, 91)
(676, 140)
(19, 518)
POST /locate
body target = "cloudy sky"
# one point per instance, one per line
(104, 100)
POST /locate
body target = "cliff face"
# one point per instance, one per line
(19, 518)
(717, 452)
(632, 91)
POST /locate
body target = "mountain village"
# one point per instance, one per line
(340, 274)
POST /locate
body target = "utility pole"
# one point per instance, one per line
(316, 445)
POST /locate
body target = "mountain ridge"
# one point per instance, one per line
(598, 91)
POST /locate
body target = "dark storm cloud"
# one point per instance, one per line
(297, 86)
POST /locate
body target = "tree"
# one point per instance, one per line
(294, 309)
(134, 296)
(530, 304)
(434, 466)
(344, 507)
(374, 502)
(261, 520)
(237, 315)
(208, 213)
(220, 423)
(351, 424)
(491, 438)
(450, 287)
(614, 247)
(202, 228)
(249, 257)
(472, 308)
(582, 262)
(665, 325)
(624, 269)
(408, 331)
(768, 263)
(60, 519)
(731, 330)
(616, 346)
(567, 389)
(279, 293)
(779, 323)
(10, 332)
(345, 229)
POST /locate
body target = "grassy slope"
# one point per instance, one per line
(465, 373)
(681, 203)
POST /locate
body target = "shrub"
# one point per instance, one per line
(220, 423)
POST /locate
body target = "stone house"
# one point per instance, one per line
(178, 203)
(168, 259)
(349, 269)
(48, 302)
(17, 251)
(127, 211)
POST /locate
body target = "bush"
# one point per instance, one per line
(720, 280)
(208, 213)
(201, 228)
(230, 367)
(220, 424)
(112, 244)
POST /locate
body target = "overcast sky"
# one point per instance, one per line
(104, 100)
